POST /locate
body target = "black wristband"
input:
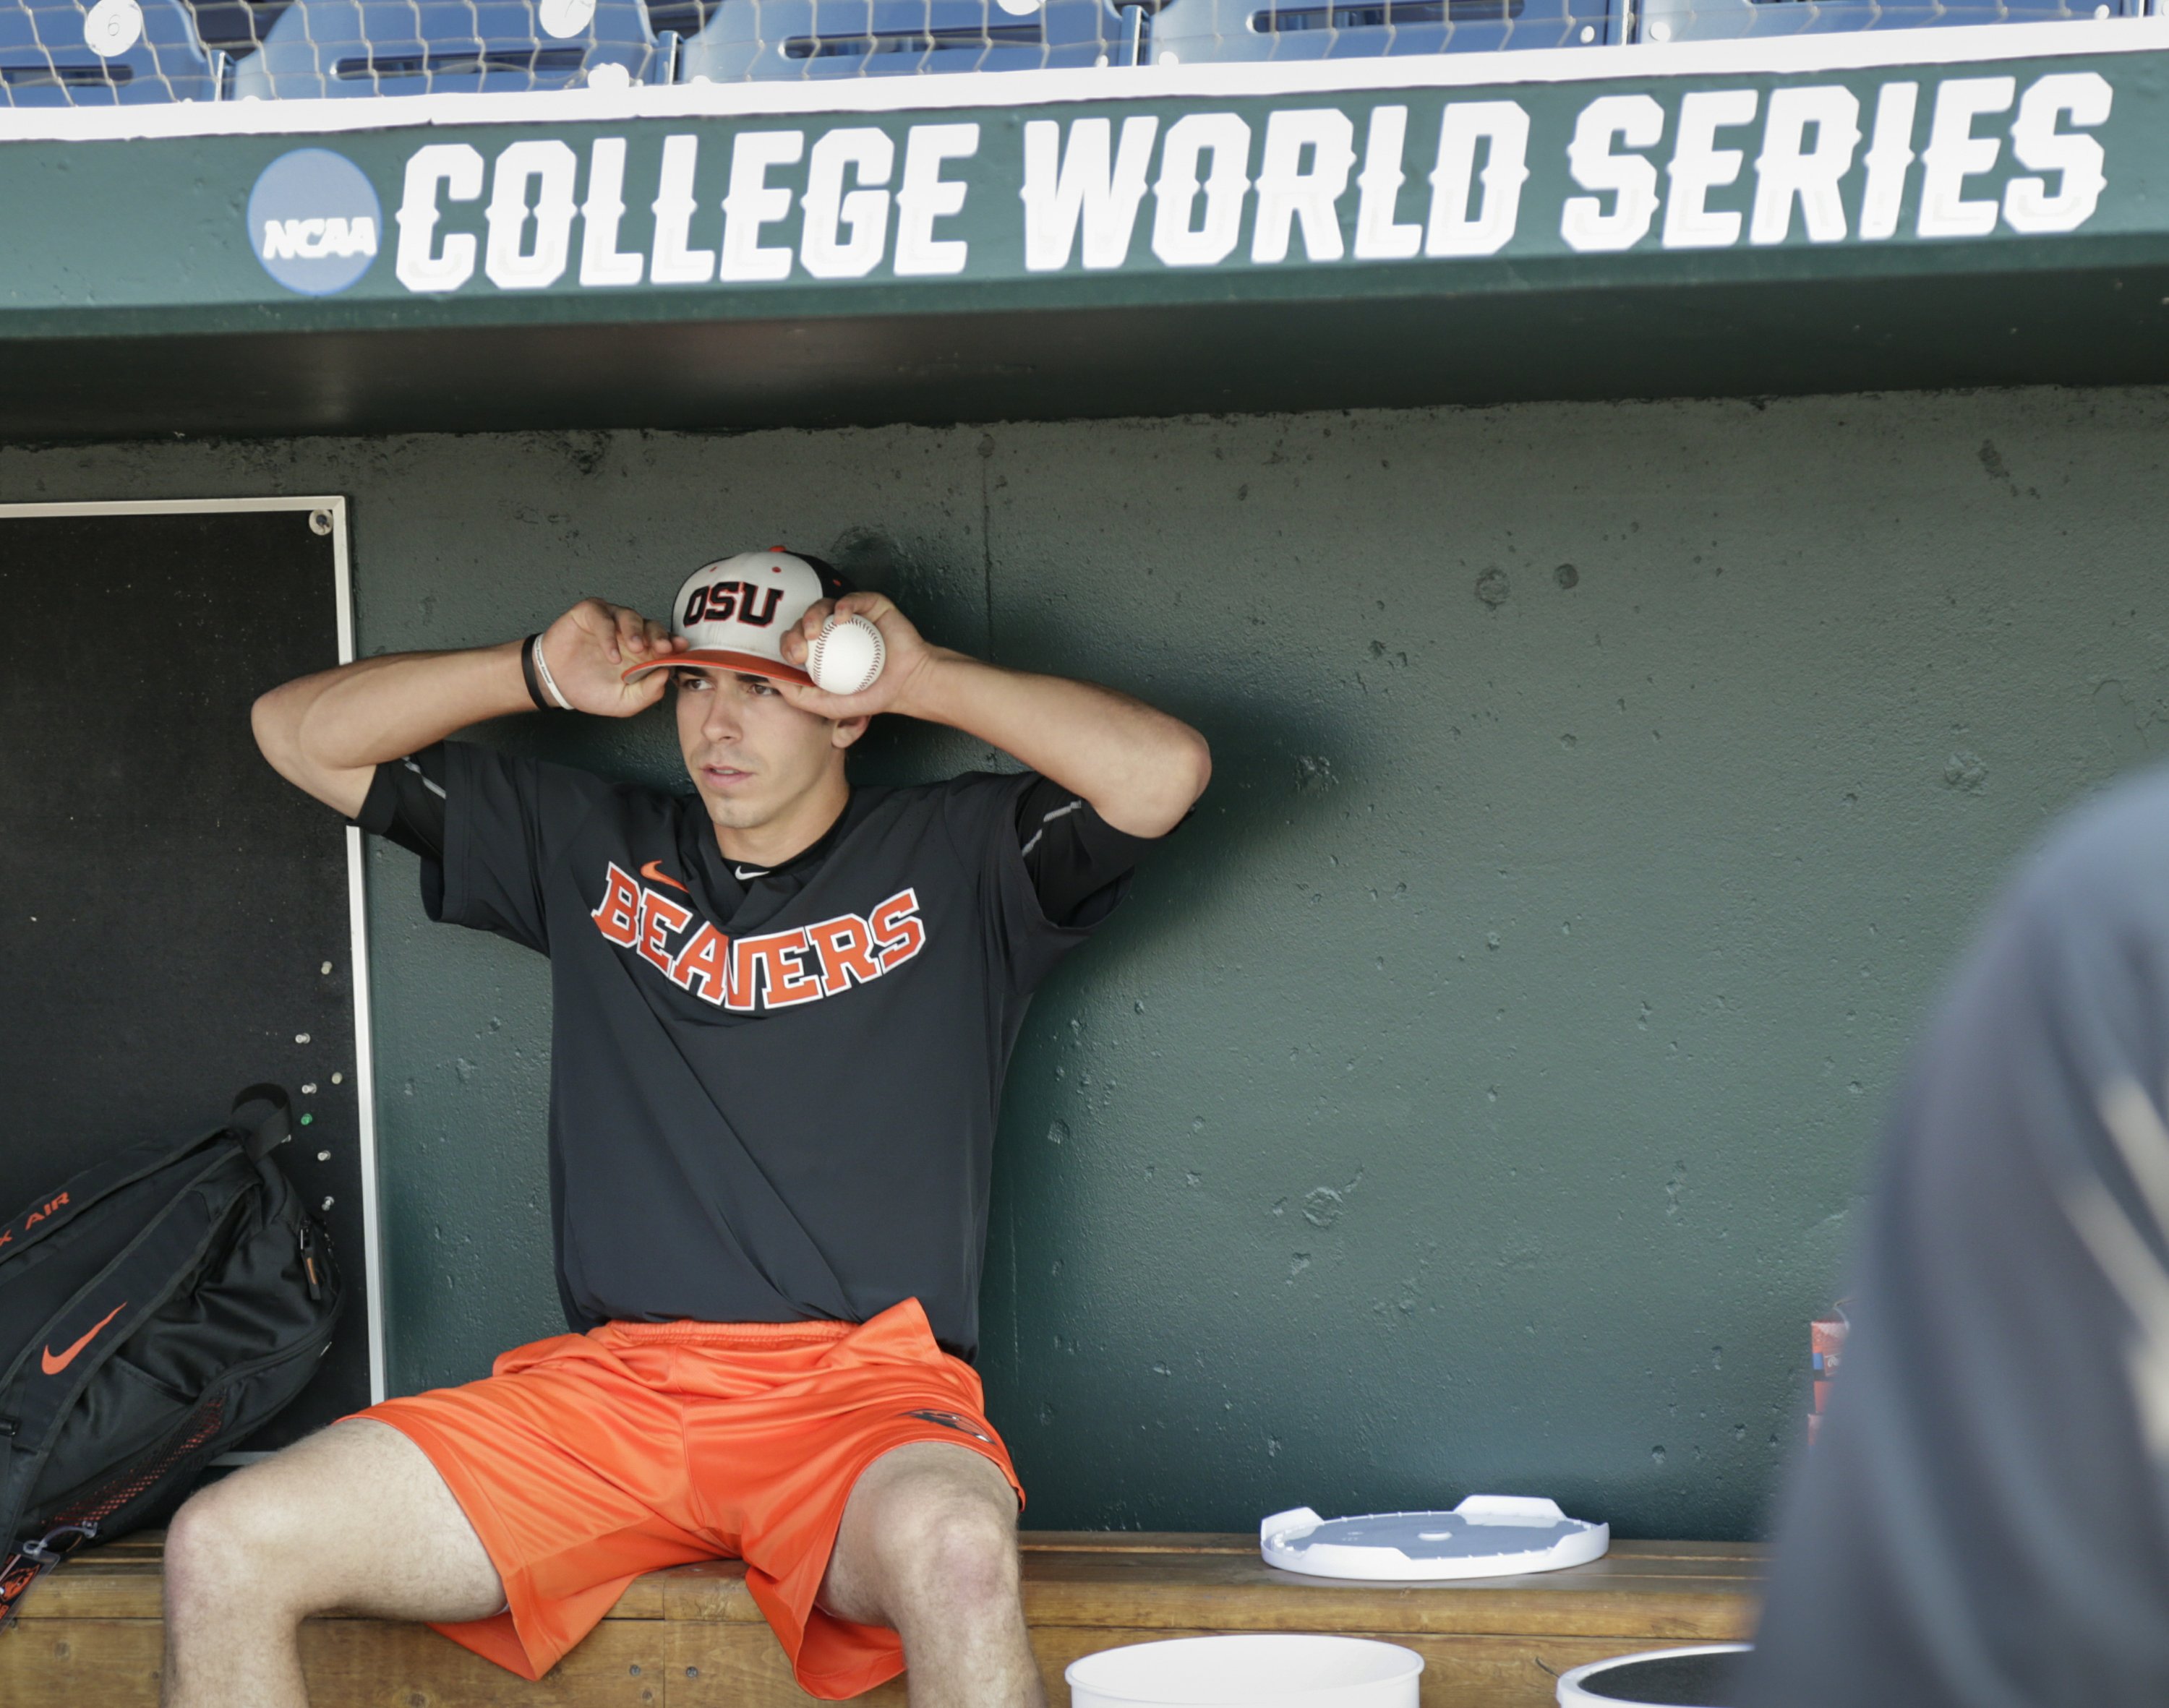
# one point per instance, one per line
(527, 670)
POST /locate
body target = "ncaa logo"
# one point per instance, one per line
(313, 221)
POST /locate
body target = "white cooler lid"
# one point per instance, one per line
(1487, 1535)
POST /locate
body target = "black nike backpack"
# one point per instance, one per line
(153, 1311)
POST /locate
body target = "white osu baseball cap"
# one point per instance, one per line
(737, 611)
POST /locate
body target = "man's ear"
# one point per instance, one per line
(846, 730)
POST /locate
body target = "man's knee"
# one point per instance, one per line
(231, 1539)
(952, 1549)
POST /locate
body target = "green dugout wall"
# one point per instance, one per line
(1476, 1094)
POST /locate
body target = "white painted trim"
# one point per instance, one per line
(365, 1046)
(364, 1055)
(1785, 55)
(357, 914)
(173, 506)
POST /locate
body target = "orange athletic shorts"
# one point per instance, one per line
(586, 1460)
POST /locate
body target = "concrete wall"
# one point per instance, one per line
(1473, 1096)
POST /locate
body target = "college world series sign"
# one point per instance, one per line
(1407, 185)
(1308, 184)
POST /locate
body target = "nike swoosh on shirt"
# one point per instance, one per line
(654, 869)
(747, 877)
(54, 1366)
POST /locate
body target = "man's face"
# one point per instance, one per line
(751, 753)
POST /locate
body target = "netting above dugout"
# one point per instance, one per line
(75, 53)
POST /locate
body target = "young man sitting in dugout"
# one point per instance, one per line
(783, 1007)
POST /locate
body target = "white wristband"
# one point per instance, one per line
(549, 683)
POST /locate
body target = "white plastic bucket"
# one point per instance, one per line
(1702, 1674)
(1267, 1670)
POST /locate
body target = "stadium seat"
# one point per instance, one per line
(46, 59)
(763, 40)
(409, 47)
(1201, 31)
(1710, 20)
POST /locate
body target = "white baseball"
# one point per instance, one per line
(846, 657)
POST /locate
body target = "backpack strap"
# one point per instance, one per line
(268, 1131)
(56, 1210)
(30, 1562)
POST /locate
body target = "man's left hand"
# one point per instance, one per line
(907, 658)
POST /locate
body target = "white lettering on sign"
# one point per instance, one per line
(1081, 185)
(1954, 154)
(310, 240)
(754, 202)
(1698, 165)
(1890, 158)
(1302, 173)
(1786, 171)
(1378, 236)
(601, 261)
(824, 250)
(453, 169)
(1703, 168)
(674, 261)
(1584, 222)
(2028, 205)
(1227, 140)
(1503, 128)
(925, 196)
(549, 169)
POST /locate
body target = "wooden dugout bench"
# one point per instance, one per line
(690, 1637)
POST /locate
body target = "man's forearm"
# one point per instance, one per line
(328, 732)
(1139, 768)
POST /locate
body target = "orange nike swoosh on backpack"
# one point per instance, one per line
(54, 1366)
(654, 869)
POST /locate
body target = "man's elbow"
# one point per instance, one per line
(275, 722)
(278, 721)
(1175, 783)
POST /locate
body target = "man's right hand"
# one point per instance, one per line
(328, 733)
(589, 649)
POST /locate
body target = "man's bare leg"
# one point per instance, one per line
(353, 1518)
(927, 1547)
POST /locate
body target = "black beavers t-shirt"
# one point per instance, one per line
(773, 1094)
